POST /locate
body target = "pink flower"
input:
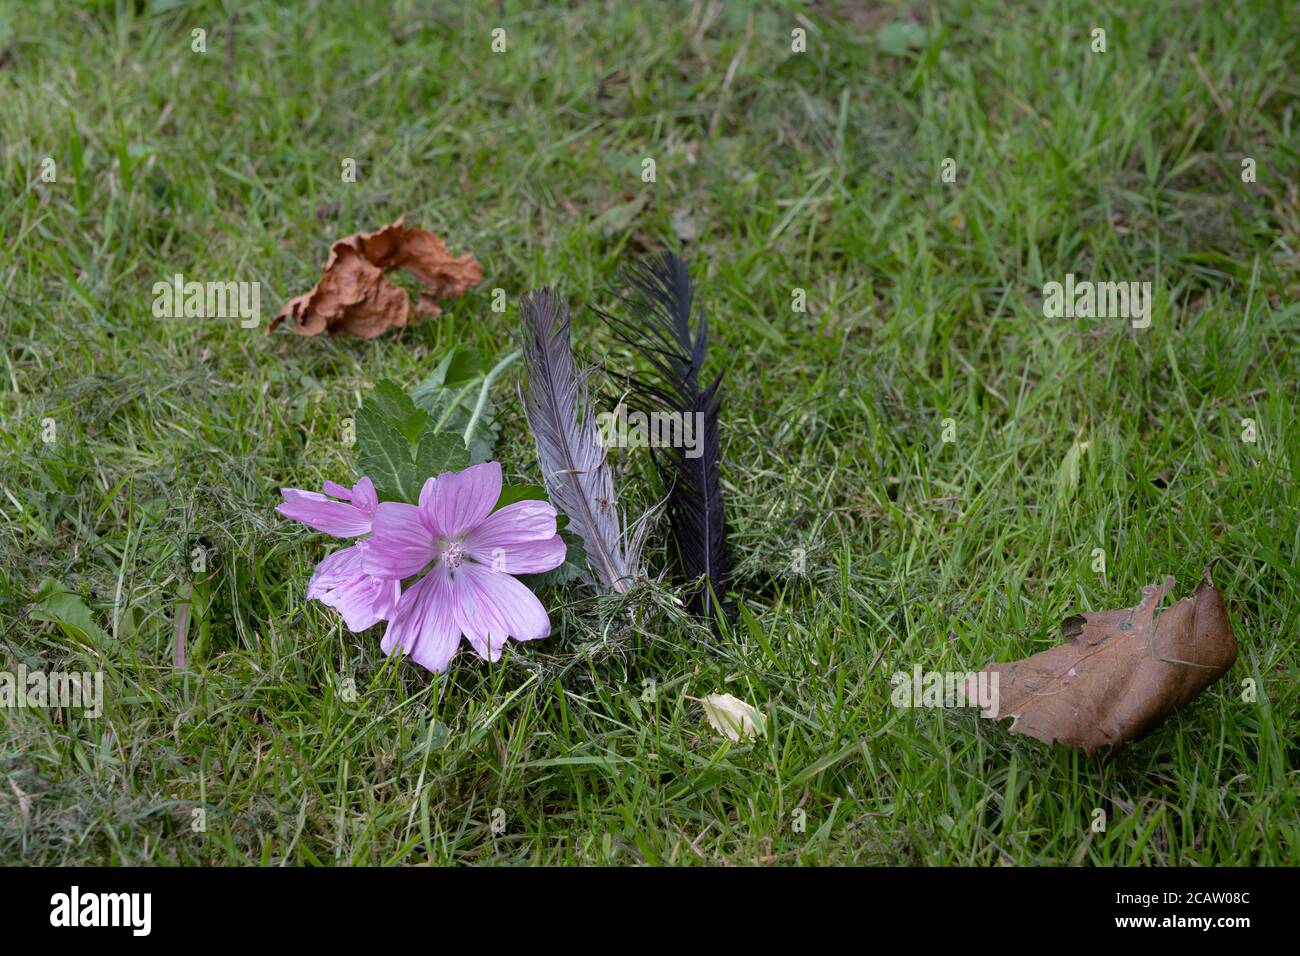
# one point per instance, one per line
(349, 518)
(341, 581)
(469, 589)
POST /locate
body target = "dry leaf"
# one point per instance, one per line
(24, 803)
(732, 716)
(355, 298)
(1122, 672)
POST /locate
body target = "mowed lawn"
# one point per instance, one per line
(866, 543)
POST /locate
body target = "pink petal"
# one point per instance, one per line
(460, 500)
(335, 490)
(422, 625)
(364, 601)
(401, 544)
(521, 521)
(364, 496)
(426, 501)
(340, 567)
(337, 518)
(524, 557)
(481, 625)
(340, 582)
(490, 606)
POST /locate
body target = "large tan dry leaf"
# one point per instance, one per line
(354, 297)
(1122, 672)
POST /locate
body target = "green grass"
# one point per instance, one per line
(818, 171)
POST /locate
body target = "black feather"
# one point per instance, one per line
(654, 316)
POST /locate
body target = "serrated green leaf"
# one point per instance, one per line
(386, 456)
(395, 431)
(394, 404)
(439, 452)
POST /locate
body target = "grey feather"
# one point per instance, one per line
(563, 422)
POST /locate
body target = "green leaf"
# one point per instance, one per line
(439, 452)
(453, 384)
(386, 456)
(451, 392)
(394, 404)
(512, 493)
(58, 605)
(479, 450)
(461, 366)
(404, 440)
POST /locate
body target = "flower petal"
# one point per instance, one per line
(426, 501)
(423, 624)
(460, 500)
(363, 601)
(364, 496)
(341, 582)
(518, 539)
(490, 606)
(323, 514)
(524, 557)
(401, 544)
(335, 490)
(338, 568)
(521, 521)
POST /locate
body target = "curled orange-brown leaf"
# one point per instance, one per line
(1121, 674)
(354, 297)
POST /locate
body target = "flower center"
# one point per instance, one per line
(452, 552)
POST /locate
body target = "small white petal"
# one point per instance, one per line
(733, 717)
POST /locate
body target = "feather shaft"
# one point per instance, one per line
(656, 318)
(563, 422)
